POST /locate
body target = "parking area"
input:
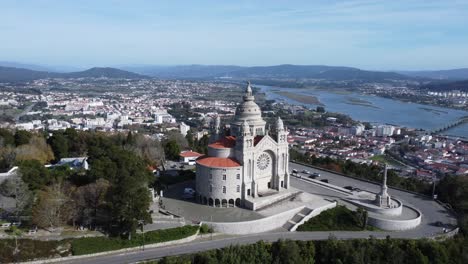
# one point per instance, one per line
(174, 202)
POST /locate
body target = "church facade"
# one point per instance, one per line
(250, 163)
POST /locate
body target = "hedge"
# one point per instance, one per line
(90, 245)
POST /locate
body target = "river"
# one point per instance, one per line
(374, 109)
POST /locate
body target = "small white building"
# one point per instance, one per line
(74, 163)
(184, 128)
(189, 157)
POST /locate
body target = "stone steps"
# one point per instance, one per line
(291, 195)
(291, 224)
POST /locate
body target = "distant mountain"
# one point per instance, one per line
(285, 71)
(184, 71)
(454, 74)
(36, 67)
(335, 73)
(97, 72)
(447, 86)
(10, 74)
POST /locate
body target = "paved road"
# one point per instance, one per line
(432, 212)
(198, 246)
(24, 112)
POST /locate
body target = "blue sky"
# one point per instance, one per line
(383, 35)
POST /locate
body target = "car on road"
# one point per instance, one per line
(351, 188)
(305, 171)
(324, 180)
(188, 193)
(316, 174)
(294, 171)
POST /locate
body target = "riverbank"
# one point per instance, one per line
(370, 108)
(301, 98)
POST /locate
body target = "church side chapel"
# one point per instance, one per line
(249, 164)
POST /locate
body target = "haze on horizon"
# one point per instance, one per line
(379, 35)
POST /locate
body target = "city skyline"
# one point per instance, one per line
(376, 35)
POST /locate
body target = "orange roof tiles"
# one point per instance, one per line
(187, 154)
(217, 162)
(226, 142)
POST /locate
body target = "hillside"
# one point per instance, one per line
(447, 86)
(285, 71)
(97, 72)
(11, 74)
(183, 71)
(454, 74)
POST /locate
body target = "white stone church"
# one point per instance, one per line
(248, 167)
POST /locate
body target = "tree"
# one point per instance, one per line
(59, 144)
(16, 232)
(147, 148)
(7, 138)
(286, 252)
(172, 150)
(34, 174)
(320, 109)
(22, 137)
(36, 149)
(16, 188)
(128, 197)
(178, 138)
(89, 199)
(7, 157)
(51, 208)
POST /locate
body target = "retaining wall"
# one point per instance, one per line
(395, 224)
(125, 250)
(314, 213)
(254, 226)
(384, 211)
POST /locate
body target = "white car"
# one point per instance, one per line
(188, 193)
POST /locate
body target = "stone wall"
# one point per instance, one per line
(254, 226)
(394, 224)
(264, 224)
(214, 178)
(313, 213)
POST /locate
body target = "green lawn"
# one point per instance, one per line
(90, 245)
(338, 218)
(387, 160)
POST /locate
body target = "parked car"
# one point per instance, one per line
(316, 174)
(312, 176)
(188, 193)
(351, 188)
(324, 180)
(294, 171)
(305, 171)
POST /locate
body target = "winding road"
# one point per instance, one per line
(431, 210)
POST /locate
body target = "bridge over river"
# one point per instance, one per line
(458, 122)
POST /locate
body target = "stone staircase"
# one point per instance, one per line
(290, 196)
(297, 219)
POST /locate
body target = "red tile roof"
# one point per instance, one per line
(217, 162)
(226, 142)
(188, 154)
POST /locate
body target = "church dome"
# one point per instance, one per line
(248, 110)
